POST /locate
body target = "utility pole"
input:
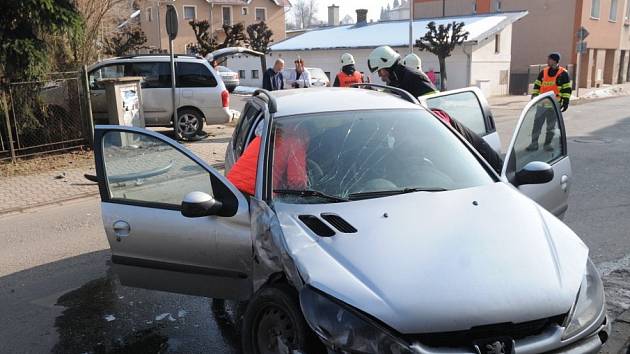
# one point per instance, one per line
(411, 26)
(443, 8)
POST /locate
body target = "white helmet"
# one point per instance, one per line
(382, 58)
(413, 61)
(347, 59)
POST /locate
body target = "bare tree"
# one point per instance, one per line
(206, 42)
(441, 40)
(304, 12)
(130, 39)
(96, 14)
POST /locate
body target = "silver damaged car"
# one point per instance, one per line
(373, 227)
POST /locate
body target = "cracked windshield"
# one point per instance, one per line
(365, 154)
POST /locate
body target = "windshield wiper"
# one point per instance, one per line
(385, 193)
(310, 193)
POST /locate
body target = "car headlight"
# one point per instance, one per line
(589, 303)
(346, 329)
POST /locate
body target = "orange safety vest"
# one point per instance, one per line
(348, 80)
(549, 82)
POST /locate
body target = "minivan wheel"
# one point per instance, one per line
(190, 123)
(274, 324)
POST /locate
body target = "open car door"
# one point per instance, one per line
(144, 177)
(540, 142)
(469, 107)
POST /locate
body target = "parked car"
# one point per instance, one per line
(201, 93)
(318, 77)
(230, 78)
(374, 228)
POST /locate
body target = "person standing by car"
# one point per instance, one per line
(556, 79)
(348, 75)
(300, 77)
(273, 79)
(391, 70)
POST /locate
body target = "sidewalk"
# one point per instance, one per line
(23, 192)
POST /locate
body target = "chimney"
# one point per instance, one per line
(361, 16)
(333, 15)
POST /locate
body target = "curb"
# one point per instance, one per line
(18, 210)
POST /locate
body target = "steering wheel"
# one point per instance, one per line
(314, 172)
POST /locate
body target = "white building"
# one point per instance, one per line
(483, 60)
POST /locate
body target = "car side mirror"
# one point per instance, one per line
(535, 172)
(199, 204)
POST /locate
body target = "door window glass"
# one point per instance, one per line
(244, 127)
(194, 75)
(463, 107)
(146, 170)
(104, 73)
(155, 75)
(539, 138)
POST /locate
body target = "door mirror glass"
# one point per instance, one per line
(464, 107)
(539, 137)
(199, 204)
(144, 170)
(535, 172)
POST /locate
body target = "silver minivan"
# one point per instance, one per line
(201, 93)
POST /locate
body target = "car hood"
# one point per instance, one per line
(435, 262)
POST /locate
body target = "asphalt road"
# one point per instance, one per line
(57, 294)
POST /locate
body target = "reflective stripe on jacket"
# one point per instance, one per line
(346, 80)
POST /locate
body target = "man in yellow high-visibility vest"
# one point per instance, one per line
(553, 78)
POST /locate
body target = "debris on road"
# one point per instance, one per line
(110, 318)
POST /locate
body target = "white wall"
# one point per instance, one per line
(487, 65)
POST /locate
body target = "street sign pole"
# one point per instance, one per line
(171, 29)
(581, 47)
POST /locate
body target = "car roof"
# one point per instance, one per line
(148, 58)
(334, 99)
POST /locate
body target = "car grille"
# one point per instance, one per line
(466, 338)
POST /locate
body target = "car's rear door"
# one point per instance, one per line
(156, 90)
(469, 107)
(198, 87)
(143, 178)
(541, 136)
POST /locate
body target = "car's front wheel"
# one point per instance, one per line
(274, 324)
(190, 123)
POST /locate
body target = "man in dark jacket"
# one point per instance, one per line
(387, 62)
(273, 79)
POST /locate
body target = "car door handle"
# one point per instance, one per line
(96, 93)
(564, 182)
(121, 229)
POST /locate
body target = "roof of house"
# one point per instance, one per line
(394, 33)
(283, 3)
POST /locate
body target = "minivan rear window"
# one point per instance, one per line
(194, 75)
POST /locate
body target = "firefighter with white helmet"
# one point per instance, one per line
(348, 74)
(393, 72)
(413, 61)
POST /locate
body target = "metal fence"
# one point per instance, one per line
(40, 117)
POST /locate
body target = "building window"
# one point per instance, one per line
(474, 7)
(190, 13)
(241, 74)
(595, 9)
(149, 15)
(497, 43)
(244, 11)
(254, 74)
(497, 6)
(261, 14)
(226, 11)
(612, 16)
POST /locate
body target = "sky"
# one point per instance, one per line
(348, 7)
